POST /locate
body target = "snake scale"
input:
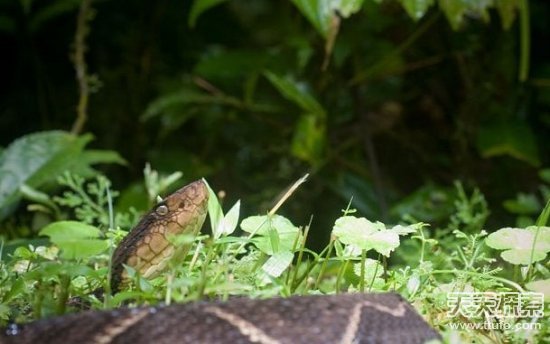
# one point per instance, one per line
(346, 318)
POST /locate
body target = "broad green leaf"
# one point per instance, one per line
(199, 7)
(309, 138)
(517, 244)
(33, 159)
(515, 139)
(278, 263)
(260, 224)
(273, 233)
(365, 235)
(75, 239)
(284, 242)
(416, 8)
(296, 93)
(522, 256)
(38, 158)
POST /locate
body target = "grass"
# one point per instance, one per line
(421, 263)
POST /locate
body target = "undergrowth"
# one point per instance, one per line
(428, 266)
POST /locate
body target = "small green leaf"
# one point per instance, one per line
(215, 211)
(229, 222)
(278, 263)
(75, 239)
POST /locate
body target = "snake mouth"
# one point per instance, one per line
(149, 246)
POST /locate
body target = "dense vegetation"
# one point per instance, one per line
(430, 114)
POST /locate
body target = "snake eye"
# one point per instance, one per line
(162, 210)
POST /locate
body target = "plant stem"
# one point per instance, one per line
(525, 40)
(82, 31)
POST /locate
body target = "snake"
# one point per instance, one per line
(149, 248)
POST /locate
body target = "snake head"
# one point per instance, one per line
(148, 247)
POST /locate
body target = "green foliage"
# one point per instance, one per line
(272, 260)
(514, 139)
(76, 240)
(362, 234)
(36, 159)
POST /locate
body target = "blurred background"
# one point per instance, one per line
(389, 102)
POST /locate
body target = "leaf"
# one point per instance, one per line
(515, 139)
(273, 233)
(365, 235)
(296, 92)
(38, 158)
(545, 175)
(454, 11)
(33, 159)
(522, 256)
(215, 211)
(199, 7)
(524, 204)
(261, 224)
(320, 13)
(229, 222)
(544, 215)
(309, 138)
(76, 240)
(517, 244)
(416, 8)
(278, 263)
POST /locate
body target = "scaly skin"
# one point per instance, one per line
(147, 248)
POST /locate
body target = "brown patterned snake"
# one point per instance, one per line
(347, 318)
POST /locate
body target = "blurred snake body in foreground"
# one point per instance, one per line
(347, 318)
